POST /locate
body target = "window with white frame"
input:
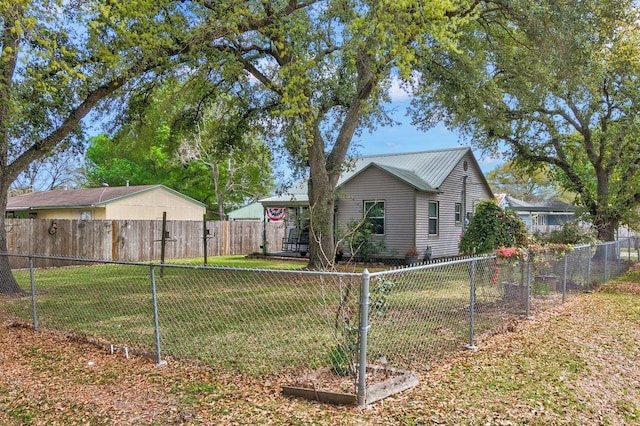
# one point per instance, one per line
(374, 213)
(457, 214)
(434, 211)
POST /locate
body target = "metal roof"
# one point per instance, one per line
(508, 202)
(78, 198)
(253, 211)
(431, 167)
(423, 170)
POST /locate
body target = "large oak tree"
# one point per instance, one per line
(321, 75)
(550, 83)
(61, 60)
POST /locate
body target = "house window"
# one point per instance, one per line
(374, 212)
(433, 217)
(85, 215)
(458, 212)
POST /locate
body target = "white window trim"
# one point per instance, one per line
(384, 213)
(436, 218)
(457, 213)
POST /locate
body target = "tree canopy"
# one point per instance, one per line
(554, 83)
(313, 78)
(323, 73)
(218, 160)
(61, 60)
(526, 184)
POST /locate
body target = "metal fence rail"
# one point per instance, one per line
(289, 322)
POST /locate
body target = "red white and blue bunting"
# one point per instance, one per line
(276, 213)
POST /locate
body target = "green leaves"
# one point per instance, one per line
(490, 228)
(553, 84)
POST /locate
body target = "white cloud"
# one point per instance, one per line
(399, 91)
(402, 90)
(393, 145)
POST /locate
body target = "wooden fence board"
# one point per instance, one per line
(139, 240)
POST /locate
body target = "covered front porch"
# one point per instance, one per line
(295, 216)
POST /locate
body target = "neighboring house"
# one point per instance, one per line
(416, 199)
(539, 216)
(145, 202)
(253, 211)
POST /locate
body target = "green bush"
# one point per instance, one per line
(570, 233)
(490, 228)
(361, 242)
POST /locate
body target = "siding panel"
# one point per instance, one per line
(374, 184)
(446, 243)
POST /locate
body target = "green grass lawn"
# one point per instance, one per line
(252, 320)
(241, 261)
(261, 320)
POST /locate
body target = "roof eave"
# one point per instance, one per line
(569, 209)
(75, 207)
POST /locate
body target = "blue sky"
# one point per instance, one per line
(404, 138)
(407, 138)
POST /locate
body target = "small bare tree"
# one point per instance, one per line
(238, 162)
(61, 169)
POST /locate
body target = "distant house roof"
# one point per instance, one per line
(424, 170)
(82, 198)
(508, 202)
(253, 211)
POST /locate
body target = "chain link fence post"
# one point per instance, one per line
(156, 322)
(34, 311)
(564, 278)
(589, 269)
(472, 304)
(606, 263)
(619, 257)
(364, 326)
(527, 311)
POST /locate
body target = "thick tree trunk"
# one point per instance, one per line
(321, 189)
(321, 238)
(606, 232)
(605, 228)
(325, 169)
(8, 284)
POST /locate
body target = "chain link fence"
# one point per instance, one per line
(290, 322)
(250, 320)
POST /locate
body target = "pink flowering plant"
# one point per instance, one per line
(511, 253)
(493, 231)
(542, 256)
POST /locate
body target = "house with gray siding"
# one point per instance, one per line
(416, 199)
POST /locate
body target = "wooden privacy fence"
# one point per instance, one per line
(139, 240)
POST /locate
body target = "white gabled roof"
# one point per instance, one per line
(506, 201)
